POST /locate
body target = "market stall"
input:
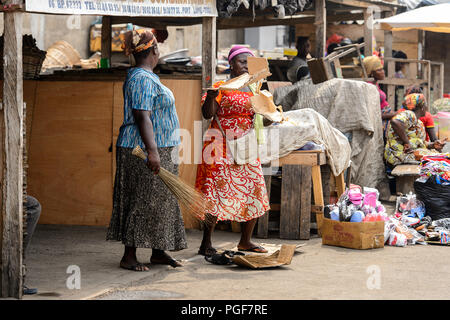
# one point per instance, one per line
(71, 122)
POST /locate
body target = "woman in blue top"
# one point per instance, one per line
(145, 214)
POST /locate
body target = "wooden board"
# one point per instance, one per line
(302, 158)
(406, 169)
(262, 230)
(69, 159)
(295, 202)
(305, 203)
(11, 277)
(187, 101)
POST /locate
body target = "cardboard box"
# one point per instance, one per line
(355, 235)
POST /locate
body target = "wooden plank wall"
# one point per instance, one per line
(407, 41)
(69, 159)
(437, 49)
(72, 128)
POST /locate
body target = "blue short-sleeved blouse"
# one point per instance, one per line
(142, 90)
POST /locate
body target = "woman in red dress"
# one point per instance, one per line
(233, 192)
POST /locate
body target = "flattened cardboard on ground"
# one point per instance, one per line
(355, 235)
(276, 259)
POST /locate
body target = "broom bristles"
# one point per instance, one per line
(191, 201)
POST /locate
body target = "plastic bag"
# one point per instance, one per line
(410, 206)
(436, 198)
(416, 237)
(443, 223)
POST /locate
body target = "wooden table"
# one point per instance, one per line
(405, 175)
(299, 170)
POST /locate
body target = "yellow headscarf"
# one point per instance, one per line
(371, 64)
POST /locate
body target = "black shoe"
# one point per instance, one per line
(29, 291)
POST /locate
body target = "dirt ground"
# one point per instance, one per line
(59, 253)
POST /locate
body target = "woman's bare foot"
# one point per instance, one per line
(133, 264)
(160, 257)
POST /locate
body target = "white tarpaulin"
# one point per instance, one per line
(352, 107)
(135, 8)
(434, 18)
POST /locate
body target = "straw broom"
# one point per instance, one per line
(188, 197)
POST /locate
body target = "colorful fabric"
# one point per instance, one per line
(233, 192)
(413, 89)
(137, 40)
(236, 50)
(437, 167)
(427, 121)
(415, 131)
(142, 90)
(383, 101)
(413, 101)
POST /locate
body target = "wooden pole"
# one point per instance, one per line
(208, 51)
(368, 32)
(209, 43)
(106, 37)
(321, 28)
(12, 157)
(388, 39)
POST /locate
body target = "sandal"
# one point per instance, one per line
(134, 267)
(223, 258)
(256, 249)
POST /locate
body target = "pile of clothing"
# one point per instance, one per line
(433, 185)
(357, 205)
(437, 167)
(411, 226)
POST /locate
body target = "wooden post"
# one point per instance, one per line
(209, 43)
(368, 32)
(295, 219)
(12, 156)
(106, 37)
(321, 28)
(208, 51)
(262, 230)
(388, 39)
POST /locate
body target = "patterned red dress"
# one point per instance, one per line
(233, 192)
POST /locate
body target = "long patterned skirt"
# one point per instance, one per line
(233, 192)
(145, 213)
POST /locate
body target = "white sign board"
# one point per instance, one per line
(135, 8)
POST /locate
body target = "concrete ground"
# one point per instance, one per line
(316, 271)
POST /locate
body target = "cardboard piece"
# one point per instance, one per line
(355, 235)
(258, 69)
(276, 259)
(263, 104)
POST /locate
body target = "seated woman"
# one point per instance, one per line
(374, 69)
(427, 120)
(406, 133)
